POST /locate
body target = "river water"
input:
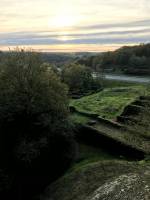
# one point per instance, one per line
(138, 79)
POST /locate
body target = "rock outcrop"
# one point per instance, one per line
(124, 187)
(103, 181)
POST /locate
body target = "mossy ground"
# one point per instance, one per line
(79, 119)
(110, 102)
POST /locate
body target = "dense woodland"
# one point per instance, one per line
(128, 60)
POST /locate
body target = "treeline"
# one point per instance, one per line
(128, 60)
(58, 59)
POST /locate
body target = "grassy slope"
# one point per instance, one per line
(110, 102)
(79, 119)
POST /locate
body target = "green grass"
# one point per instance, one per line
(79, 119)
(117, 83)
(110, 102)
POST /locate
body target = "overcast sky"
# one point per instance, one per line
(74, 25)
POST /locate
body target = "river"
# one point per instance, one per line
(138, 79)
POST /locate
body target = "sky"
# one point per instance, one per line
(73, 25)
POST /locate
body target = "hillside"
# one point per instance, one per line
(128, 60)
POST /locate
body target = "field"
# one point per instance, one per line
(110, 102)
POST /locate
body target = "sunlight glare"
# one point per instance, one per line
(63, 20)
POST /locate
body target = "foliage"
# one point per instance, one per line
(30, 91)
(36, 141)
(79, 78)
(130, 60)
(58, 59)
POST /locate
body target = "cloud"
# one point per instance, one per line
(98, 35)
(98, 22)
(46, 34)
(141, 23)
(55, 41)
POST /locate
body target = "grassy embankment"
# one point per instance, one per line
(110, 102)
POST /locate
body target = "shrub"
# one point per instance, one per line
(79, 79)
(35, 136)
(30, 90)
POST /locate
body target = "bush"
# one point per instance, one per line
(79, 79)
(35, 136)
(31, 90)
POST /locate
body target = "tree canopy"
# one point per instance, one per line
(130, 60)
(79, 78)
(31, 90)
(35, 134)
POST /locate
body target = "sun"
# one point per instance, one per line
(63, 20)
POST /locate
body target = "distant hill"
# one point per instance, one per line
(128, 60)
(59, 59)
(53, 58)
(65, 58)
